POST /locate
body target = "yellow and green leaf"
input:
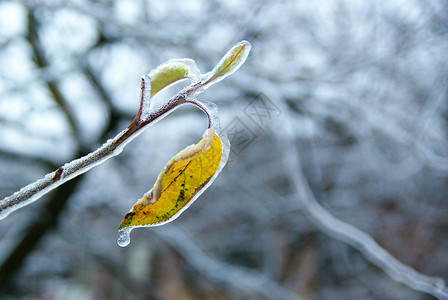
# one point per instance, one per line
(178, 183)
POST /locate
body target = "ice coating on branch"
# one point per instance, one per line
(165, 75)
(135, 216)
(34, 191)
(14, 202)
(146, 105)
(169, 73)
(211, 109)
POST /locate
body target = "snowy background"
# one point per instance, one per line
(358, 87)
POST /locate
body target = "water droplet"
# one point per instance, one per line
(124, 237)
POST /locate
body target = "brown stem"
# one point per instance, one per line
(113, 147)
(203, 109)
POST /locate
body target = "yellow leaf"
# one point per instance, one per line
(181, 179)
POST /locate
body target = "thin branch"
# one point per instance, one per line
(42, 63)
(27, 158)
(46, 220)
(113, 113)
(55, 205)
(113, 147)
(353, 236)
(245, 280)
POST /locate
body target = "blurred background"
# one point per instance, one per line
(361, 87)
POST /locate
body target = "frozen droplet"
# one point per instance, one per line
(124, 237)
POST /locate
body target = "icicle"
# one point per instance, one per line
(124, 236)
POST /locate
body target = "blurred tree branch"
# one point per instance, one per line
(48, 164)
(366, 84)
(36, 230)
(350, 234)
(114, 116)
(48, 218)
(42, 62)
(247, 282)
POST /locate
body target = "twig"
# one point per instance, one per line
(27, 158)
(113, 113)
(42, 63)
(113, 147)
(230, 62)
(35, 231)
(353, 236)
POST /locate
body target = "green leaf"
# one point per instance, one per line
(171, 72)
(231, 62)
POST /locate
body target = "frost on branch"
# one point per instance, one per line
(163, 76)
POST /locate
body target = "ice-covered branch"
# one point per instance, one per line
(111, 148)
(161, 77)
(353, 236)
